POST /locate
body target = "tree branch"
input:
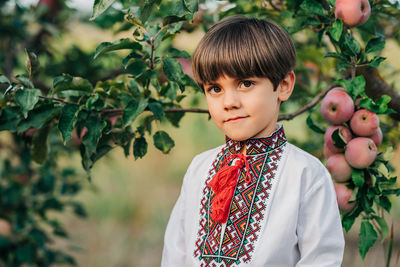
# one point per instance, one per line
(376, 86)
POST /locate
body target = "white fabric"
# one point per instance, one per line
(302, 228)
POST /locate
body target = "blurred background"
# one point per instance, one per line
(129, 201)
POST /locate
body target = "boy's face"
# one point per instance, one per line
(248, 108)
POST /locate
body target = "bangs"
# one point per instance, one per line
(241, 49)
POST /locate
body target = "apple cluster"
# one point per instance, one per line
(360, 134)
(353, 12)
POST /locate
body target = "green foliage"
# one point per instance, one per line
(92, 102)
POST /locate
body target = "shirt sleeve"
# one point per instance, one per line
(320, 234)
(174, 242)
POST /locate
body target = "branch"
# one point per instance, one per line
(376, 86)
(306, 107)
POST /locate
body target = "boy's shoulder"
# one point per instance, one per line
(298, 156)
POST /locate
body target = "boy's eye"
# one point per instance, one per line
(246, 84)
(214, 90)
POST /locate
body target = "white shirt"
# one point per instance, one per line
(293, 220)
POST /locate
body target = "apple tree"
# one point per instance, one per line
(56, 105)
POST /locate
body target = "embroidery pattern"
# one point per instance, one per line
(248, 204)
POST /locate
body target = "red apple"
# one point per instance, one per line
(337, 106)
(339, 168)
(343, 195)
(5, 228)
(364, 123)
(377, 137)
(353, 12)
(327, 151)
(344, 131)
(361, 152)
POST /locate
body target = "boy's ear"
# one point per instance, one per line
(285, 87)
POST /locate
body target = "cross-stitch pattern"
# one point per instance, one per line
(248, 204)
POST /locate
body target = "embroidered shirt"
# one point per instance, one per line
(286, 216)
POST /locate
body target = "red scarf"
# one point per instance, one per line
(223, 185)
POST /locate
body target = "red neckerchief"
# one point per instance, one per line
(223, 185)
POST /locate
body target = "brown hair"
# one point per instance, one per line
(244, 47)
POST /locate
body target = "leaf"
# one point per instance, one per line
(163, 142)
(375, 45)
(9, 118)
(384, 227)
(69, 83)
(313, 126)
(368, 237)
(172, 19)
(357, 86)
(313, 6)
(387, 155)
(4, 79)
(173, 70)
(67, 121)
(352, 45)
(192, 5)
(38, 117)
(147, 9)
(338, 139)
(99, 7)
(40, 147)
(157, 110)
(27, 99)
(382, 169)
(358, 177)
(139, 147)
(175, 118)
(336, 55)
(124, 43)
(385, 203)
(95, 126)
(132, 110)
(376, 61)
(336, 30)
(347, 222)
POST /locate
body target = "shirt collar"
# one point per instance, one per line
(258, 145)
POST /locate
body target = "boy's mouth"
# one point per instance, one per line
(235, 118)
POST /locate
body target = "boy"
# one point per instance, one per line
(257, 200)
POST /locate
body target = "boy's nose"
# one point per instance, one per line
(231, 100)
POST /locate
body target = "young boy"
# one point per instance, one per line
(257, 200)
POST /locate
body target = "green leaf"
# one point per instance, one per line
(375, 45)
(383, 170)
(352, 45)
(385, 203)
(172, 19)
(368, 237)
(376, 61)
(4, 79)
(9, 119)
(173, 70)
(99, 7)
(358, 177)
(124, 43)
(336, 55)
(139, 147)
(27, 99)
(132, 110)
(95, 126)
(163, 142)
(38, 117)
(67, 121)
(157, 110)
(336, 30)
(386, 156)
(347, 222)
(384, 227)
(175, 118)
(69, 83)
(192, 5)
(338, 139)
(357, 87)
(313, 6)
(313, 126)
(40, 147)
(147, 9)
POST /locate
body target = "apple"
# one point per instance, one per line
(339, 168)
(337, 106)
(343, 195)
(5, 228)
(343, 130)
(377, 137)
(186, 66)
(364, 122)
(327, 151)
(361, 152)
(352, 12)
